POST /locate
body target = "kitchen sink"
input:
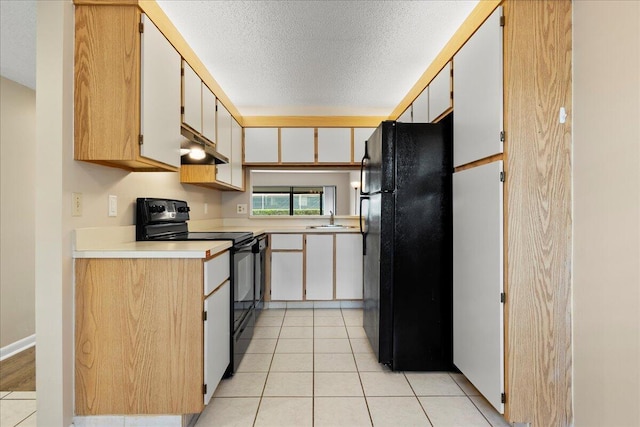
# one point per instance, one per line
(330, 226)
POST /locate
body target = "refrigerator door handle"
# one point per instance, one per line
(362, 166)
(362, 229)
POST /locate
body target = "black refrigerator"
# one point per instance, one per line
(406, 223)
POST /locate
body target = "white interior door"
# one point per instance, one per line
(478, 322)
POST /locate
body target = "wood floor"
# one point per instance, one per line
(18, 373)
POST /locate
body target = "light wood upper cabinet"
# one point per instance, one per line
(224, 144)
(297, 145)
(191, 98)
(261, 145)
(116, 91)
(334, 145)
(478, 88)
(209, 114)
(160, 92)
(237, 172)
(440, 93)
(421, 107)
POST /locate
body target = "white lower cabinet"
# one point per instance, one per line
(316, 267)
(349, 266)
(319, 263)
(286, 276)
(217, 337)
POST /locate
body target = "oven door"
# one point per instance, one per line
(243, 281)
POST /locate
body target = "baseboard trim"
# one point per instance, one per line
(17, 347)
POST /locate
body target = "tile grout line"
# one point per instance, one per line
(470, 399)
(417, 398)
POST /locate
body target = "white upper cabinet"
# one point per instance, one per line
(297, 145)
(406, 116)
(237, 173)
(334, 145)
(224, 144)
(439, 93)
(261, 145)
(477, 122)
(208, 114)
(360, 135)
(160, 87)
(192, 98)
(421, 107)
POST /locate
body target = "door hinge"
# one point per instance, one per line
(140, 140)
(501, 176)
(141, 27)
(182, 71)
(204, 316)
(502, 21)
(503, 297)
(503, 398)
(204, 389)
(181, 110)
(501, 136)
(216, 107)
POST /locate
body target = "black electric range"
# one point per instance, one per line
(166, 220)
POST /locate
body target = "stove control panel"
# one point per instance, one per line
(153, 211)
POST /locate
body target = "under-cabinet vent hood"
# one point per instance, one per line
(196, 151)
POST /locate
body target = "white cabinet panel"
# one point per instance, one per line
(217, 338)
(477, 93)
(192, 98)
(334, 145)
(349, 283)
(286, 276)
(440, 93)
(160, 97)
(297, 145)
(478, 323)
(261, 145)
(224, 144)
(237, 173)
(406, 117)
(360, 135)
(216, 271)
(421, 107)
(208, 114)
(286, 241)
(319, 271)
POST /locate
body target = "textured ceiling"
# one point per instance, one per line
(317, 57)
(288, 57)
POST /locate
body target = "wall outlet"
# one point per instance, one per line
(241, 208)
(113, 205)
(76, 204)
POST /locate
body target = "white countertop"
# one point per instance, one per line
(119, 242)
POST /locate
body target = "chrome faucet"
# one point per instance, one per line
(331, 220)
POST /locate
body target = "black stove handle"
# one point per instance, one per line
(245, 246)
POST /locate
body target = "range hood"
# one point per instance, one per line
(197, 151)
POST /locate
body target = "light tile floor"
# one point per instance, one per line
(18, 408)
(307, 367)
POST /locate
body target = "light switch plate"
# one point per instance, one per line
(113, 205)
(241, 208)
(76, 204)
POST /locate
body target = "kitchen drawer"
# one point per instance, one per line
(216, 272)
(286, 241)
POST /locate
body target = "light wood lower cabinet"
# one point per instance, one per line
(316, 267)
(139, 329)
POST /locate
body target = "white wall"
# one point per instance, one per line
(17, 210)
(606, 288)
(57, 175)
